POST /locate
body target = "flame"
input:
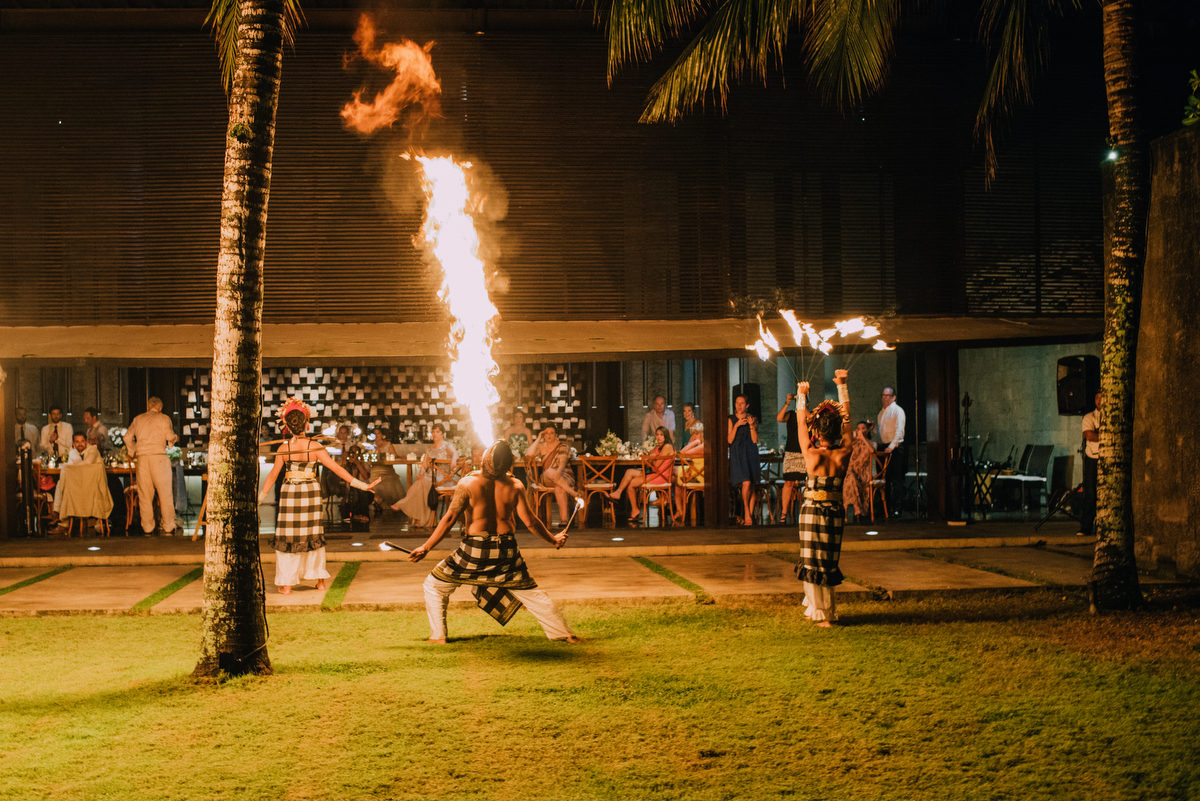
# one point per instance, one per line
(881, 345)
(827, 334)
(761, 349)
(790, 317)
(415, 81)
(869, 332)
(768, 338)
(450, 238)
(825, 347)
(848, 327)
(813, 338)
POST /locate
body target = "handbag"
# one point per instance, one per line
(431, 499)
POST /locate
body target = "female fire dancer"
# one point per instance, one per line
(299, 540)
(822, 516)
(488, 557)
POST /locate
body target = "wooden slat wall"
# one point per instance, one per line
(113, 214)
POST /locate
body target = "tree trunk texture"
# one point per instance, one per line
(1114, 572)
(234, 638)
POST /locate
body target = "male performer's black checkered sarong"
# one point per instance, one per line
(821, 521)
(298, 527)
(493, 565)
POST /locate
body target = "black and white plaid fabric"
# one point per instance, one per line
(298, 527)
(821, 524)
(493, 565)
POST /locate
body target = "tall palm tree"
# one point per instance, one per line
(847, 50)
(251, 35)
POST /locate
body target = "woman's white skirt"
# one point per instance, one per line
(291, 568)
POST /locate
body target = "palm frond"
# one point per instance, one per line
(849, 47)
(740, 38)
(636, 29)
(1017, 30)
(226, 15)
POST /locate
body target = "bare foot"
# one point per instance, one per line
(285, 590)
(824, 624)
(574, 640)
(320, 584)
(395, 507)
(436, 642)
(616, 496)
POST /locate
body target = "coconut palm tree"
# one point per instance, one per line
(847, 49)
(251, 35)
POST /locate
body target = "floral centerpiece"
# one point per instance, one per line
(463, 445)
(611, 445)
(175, 454)
(117, 437)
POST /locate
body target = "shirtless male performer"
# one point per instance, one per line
(488, 557)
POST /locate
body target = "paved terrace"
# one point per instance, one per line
(160, 575)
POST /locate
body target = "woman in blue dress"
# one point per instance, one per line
(743, 455)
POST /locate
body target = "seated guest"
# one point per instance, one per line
(25, 430)
(56, 435)
(97, 432)
(557, 473)
(633, 479)
(415, 503)
(690, 421)
(331, 485)
(518, 434)
(84, 495)
(693, 450)
(83, 452)
(357, 502)
(660, 415)
(389, 489)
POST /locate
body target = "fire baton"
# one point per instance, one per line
(578, 505)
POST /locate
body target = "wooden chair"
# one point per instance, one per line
(445, 476)
(766, 492)
(536, 488)
(691, 481)
(664, 494)
(879, 486)
(42, 500)
(133, 508)
(599, 478)
(80, 523)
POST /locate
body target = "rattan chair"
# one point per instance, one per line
(691, 481)
(664, 494)
(878, 483)
(599, 478)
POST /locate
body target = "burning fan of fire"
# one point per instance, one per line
(819, 341)
(448, 235)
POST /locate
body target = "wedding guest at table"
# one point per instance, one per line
(331, 485)
(81, 453)
(356, 503)
(415, 502)
(56, 435)
(690, 421)
(518, 434)
(660, 415)
(793, 460)
(891, 434)
(557, 472)
(299, 539)
(660, 472)
(25, 430)
(147, 440)
(856, 488)
(694, 450)
(97, 432)
(390, 489)
(742, 436)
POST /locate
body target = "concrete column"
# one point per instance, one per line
(714, 402)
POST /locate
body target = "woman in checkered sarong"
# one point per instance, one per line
(822, 515)
(299, 540)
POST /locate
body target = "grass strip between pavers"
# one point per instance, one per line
(167, 591)
(34, 580)
(337, 590)
(702, 597)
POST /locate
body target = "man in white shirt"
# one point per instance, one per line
(97, 432)
(660, 415)
(56, 435)
(25, 429)
(891, 433)
(1091, 460)
(147, 439)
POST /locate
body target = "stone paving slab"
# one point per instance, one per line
(98, 589)
(746, 574)
(1048, 567)
(381, 584)
(899, 573)
(304, 596)
(12, 575)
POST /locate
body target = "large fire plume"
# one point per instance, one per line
(414, 81)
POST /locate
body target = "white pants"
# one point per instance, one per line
(539, 604)
(291, 567)
(819, 603)
(154, 473)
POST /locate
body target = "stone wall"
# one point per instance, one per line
(1166, 490)
(1014, 399)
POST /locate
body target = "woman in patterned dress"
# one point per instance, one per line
(557, 472)
(822, 517)
(415, 503)
(856, 489)
(299, 540)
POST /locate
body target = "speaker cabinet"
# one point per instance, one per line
(1078, 383)
(753, 398)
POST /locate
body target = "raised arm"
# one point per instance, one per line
(274, 474)
(782, 416)
(535, 524)
(802, 416)
(341, 472)
(458, 502)
(839, 378)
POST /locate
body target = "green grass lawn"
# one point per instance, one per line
(974, 698)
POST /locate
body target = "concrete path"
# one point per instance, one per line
(745, 575)
(1036, 564)
(904, 574)
(14, 575)
(96, 590)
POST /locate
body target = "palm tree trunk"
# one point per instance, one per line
(234, 636)
(1114, 572)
